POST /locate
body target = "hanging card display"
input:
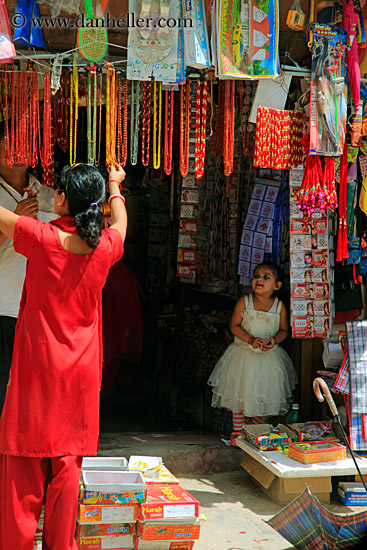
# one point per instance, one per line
(196, 44)
(328, 110)
(247, 38)
(152, 47)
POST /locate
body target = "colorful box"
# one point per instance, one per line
(154, 530)
(302, 327)
(163, 544)
(95, 513)
(352, 493)
(125, 542)
(264, 437)
(104, 529)
(168, 502)
(314, 451)
(316, 430)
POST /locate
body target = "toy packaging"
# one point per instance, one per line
(267, 438)
(328, 91)
(311, 273)
(352, 493)
(168, 530)
(125, 542)
(168, 502)
(314, 451)
(163, 544)
(90, 513)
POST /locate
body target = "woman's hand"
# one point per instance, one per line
(27, 207)
(257, 343)
(116, 172)
(269, 346)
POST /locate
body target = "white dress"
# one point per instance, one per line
(250, 381)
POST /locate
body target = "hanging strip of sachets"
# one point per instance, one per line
(278, 139)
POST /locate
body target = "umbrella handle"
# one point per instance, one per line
(320, 384)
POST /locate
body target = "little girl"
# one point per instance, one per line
(255, 377)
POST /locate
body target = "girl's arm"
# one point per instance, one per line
(238, 331)
(282, 333)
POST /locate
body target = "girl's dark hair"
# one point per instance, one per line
(84, 189)
(275, 269)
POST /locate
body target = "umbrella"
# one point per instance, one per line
(306, 523)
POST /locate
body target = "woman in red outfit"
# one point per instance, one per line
(51, 411)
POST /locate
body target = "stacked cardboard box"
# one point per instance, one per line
(169, 518)
(108, 507)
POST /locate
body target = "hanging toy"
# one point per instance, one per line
(309, 195)
(296, 18)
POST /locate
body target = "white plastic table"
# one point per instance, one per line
(283, 466)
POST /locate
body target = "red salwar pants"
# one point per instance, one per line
(25, 484)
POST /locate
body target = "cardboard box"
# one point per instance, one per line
(284, 490)
(316, 451)
(98, 513)
(125, 542)
(163, 544)
(86, 530)
(259, 436)
(165, 530)
(316, 430)
(106, 487)
(164, 476)
(166, 502)
(115, 463)
(352, 493)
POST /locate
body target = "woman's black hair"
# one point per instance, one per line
(84, 189)
(275, 269)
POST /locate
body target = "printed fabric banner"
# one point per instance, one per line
(247, 38)
(152, 46)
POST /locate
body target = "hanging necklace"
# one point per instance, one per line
(157, 115)
(228, 137)
(34, 118)
(135, 87)
(110, 115)
(46, 152)
(99, 99)
(244, 114)
(200, 127)
(89, 121)
(145, 127)
(9, 155)
(61, 113)
(119, 124)
(94, 133)
(168, 130)
(124, 131)
(185, 103)
(74, 100)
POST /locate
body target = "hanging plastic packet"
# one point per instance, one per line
(328, 111)
(296, 18)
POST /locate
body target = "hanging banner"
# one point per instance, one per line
(152, 42)
(247, 38)
(7, 50)
(195, 35)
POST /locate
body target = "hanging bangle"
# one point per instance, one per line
(116, 197)
(108, 185)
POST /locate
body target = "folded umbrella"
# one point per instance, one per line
(306, 523)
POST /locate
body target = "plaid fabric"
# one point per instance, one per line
(356, 423)
(356, 340)
(305, 523)
(342, 380)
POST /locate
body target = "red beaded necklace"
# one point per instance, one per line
(145, 124)
(61, 113)
(228, 126)
(200, 127)
(168, 130)
(46, 151)
(185, 103)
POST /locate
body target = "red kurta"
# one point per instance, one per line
(52, 403)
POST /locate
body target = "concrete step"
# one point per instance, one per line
(182, 453)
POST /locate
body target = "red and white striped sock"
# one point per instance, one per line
(238, 421)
